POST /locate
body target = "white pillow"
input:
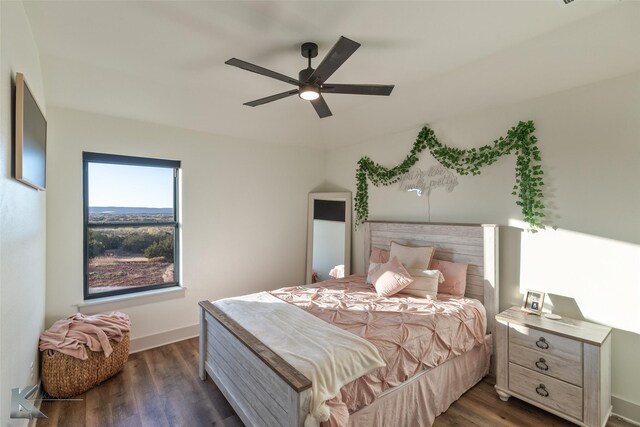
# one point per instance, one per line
(425, 283)
(412, 257)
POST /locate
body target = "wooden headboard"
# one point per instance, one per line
(473, 244)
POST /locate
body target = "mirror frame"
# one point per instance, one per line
(338, 196)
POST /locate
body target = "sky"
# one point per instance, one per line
(130, 186)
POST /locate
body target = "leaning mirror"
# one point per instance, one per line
(328, 236)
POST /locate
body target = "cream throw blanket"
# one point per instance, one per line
(328, 356)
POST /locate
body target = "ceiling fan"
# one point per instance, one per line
(312, 83)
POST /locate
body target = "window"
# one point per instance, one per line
(131, 227)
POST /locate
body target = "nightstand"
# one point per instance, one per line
(562, 366)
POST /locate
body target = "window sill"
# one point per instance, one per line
(119, 302)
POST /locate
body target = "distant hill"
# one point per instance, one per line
(128, 210)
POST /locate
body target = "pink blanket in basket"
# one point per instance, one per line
(78, 332)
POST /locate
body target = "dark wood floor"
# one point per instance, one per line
(160, 387)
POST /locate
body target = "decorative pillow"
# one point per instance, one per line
(412, 257)
(378, 257)
(425, 283)
(391, 278)
(455, 277)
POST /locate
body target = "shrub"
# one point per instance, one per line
(138, 242)
(161, 248)
(94, 246)
(110, 241)
(99, 242)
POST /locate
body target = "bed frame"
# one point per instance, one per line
(265, 390)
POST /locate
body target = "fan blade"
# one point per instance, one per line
(384, 90)
(321, 107)
(262, 71)
(271, 98)
(339, 53)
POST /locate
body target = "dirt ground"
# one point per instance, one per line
(117, 272)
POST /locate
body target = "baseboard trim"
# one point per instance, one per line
(163, 338)
(628, 411)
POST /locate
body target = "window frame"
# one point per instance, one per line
(115, 159)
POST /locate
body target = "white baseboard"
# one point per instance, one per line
(163, 338)
(628, 411)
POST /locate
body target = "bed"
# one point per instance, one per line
(265, 390)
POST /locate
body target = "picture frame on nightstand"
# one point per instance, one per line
(533, 301)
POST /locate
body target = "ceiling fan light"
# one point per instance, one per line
(309, 92)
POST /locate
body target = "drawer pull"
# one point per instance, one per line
(542, 343)
(542, 364)
(542, 390)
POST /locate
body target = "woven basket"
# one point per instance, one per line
(66, 376)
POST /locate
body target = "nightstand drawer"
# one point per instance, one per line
(545, 342)
(546, 363)
(555, 394)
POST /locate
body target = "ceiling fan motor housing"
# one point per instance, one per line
(304, 74)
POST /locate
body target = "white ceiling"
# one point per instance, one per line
(163, 61)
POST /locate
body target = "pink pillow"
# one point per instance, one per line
(390, 278)
(455, 277)
(379, 255)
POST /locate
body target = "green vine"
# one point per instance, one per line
(519, 139)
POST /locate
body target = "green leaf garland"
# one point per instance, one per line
(519, 139)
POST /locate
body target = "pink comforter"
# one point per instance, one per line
(411, 334)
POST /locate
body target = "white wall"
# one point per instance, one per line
(22, 221)
(589, 138)
(244, 213)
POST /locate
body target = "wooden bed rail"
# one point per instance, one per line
(294, 378)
